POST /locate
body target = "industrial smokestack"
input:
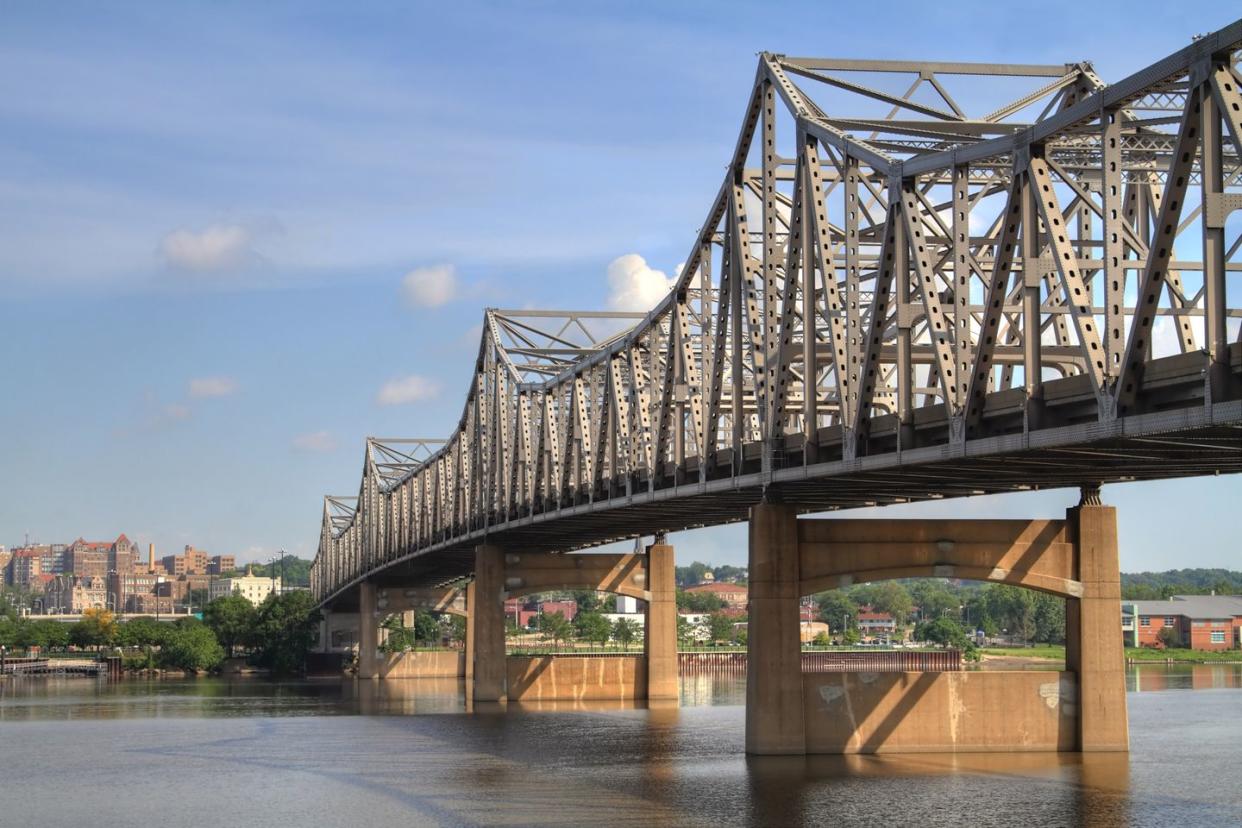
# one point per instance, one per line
(151, 557)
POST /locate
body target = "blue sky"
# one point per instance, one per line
(210, 214)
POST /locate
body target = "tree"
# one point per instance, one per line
(285, 630)
(821, 640)
(734, 574)
(1169, 637)
(624, 631)
(1013, 608)
(893, 598)
(690, 575)
(686, 632)
(934, 599)
(554, 626)
(97, 628)
(143, 631)
(837, 609)
(191, 647)
(399, 638)
(426, 628)
(719, 627)
(1049, 618)
(699, 601)
(51, 635)
(589, 600)
(591, 626)
(946, 632)
(232, 619)
(453, 626)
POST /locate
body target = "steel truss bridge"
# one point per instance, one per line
(889, 300)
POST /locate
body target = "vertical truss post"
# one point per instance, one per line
(962, 337)
(1032, 368)
(1223, 98)
(904, 381)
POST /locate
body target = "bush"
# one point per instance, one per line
(286, 629)
(191, 647)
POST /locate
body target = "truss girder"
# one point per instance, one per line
(881, 277)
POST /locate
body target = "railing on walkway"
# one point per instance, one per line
(831, 661)
(109, 667)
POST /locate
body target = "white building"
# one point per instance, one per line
(251, 587)
(626, 605)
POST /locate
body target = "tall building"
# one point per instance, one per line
(220, 564)
(96, 559)
(87, 559)
(190, 562)
(25, 566)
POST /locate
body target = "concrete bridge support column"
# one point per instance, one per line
(774, 707)
(368, 632)
(325, 632)
(661, 624)
(469, 643)
(486, 627)
(1093, 646)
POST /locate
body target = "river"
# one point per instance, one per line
(81, 752)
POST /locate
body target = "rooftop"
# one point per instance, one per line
(1192, 606)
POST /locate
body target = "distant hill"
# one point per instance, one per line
(297, 570)
(1147, 586)
(1135, 586)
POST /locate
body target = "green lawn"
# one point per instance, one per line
(1148, 654)
(1055, 652)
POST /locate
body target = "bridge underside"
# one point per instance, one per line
(1156, 446)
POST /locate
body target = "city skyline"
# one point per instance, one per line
(287, 253)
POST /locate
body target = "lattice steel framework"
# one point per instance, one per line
(909, 302)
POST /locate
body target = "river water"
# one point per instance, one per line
(80, 752)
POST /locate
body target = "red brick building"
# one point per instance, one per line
(1201, 622)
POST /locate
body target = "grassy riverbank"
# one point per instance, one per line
(1187, 656)
(1056, 652)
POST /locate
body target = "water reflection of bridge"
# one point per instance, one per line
(890, 300)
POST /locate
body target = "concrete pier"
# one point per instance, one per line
(1083, 708)
(486, 624)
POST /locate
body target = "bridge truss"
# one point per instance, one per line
(903, 302)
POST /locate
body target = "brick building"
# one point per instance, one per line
(95, 559)
(190, 562)
(24, 567)
(1200, 622)
(734, 595)
(874, 625)
(71, 594)
(220, 564)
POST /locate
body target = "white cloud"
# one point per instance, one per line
(219, 247)
(634, 285)
(405, 390)
(429, 287)
(316, 441)
(204, 387)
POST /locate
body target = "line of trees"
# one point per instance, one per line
(940, 609)
(429, 630)
(696, 573)
(590, 627)
(276, 635)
